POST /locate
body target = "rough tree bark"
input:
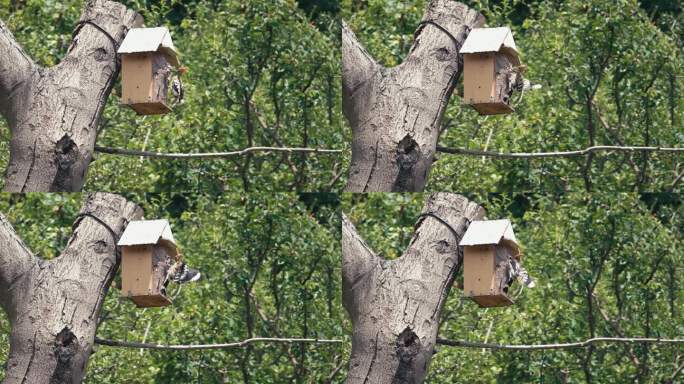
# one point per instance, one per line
(53, 112)
(395, 305)
(395, 113)
(53, 305)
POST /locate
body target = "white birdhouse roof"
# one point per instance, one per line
(490, 232)
(483, 40)
(147, 232)
(158, 39)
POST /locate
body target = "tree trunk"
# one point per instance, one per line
(53, 113)
(395, 113)
(53, 305)
(395, 305)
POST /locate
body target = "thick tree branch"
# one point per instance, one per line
(15, 69)
(357, 260)
(57, 311)
(395, 305)
(395, 113)
(15, 262)
(357, 65)
(54, 118)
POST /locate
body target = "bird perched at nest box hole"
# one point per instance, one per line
(177, 85)
(491, 263)
(517, 271)
(180, 273)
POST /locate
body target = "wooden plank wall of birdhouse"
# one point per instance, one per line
(501, 266)
(161, 262)
(136, 78)
(478, 78)
(505, 78)
(478, 270)
(161, 72)
(136, 270)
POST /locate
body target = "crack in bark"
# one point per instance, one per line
(375, 164)
(33, 355)
(30, 168)
(372, 362)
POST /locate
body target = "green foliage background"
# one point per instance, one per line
(612, 74)
(261, 73)
(271, 268)
(621, 255)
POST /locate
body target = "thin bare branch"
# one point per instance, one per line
(579, 344)
(455, 151)
(237, 344)
(210, 155)
(581, 152)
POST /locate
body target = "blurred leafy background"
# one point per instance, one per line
(605, 265)
(612, 74)
(261, 73)
(270, 265)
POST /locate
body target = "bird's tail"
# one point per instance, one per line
(524, 278)
(184, 274)
(528, 85)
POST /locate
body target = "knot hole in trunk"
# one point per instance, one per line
(408, 347)
(66, 155)
(65, 348)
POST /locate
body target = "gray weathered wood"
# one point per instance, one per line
(53, 305)
(53, 113)
(395, 305)
(395, 113)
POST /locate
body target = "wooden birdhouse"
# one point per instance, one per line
(147, 61)
(491, 67)
(147, 252)
(488, 250)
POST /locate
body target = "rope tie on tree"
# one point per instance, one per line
(115, 44)
(80, 25)
(426, 22)
(102, 223)
(99, 221)
(430, 214)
